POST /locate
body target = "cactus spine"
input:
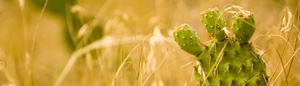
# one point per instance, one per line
(225, 61)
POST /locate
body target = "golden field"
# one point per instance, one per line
(133, 45)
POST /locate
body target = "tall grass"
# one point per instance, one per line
(137, 47)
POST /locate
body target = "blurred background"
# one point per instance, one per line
(130, 42)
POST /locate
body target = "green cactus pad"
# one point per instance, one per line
(238, 64)
(213, 23)
(243, 26)
(225, 62)
(187, 39)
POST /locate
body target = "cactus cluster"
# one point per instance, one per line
(225, 61)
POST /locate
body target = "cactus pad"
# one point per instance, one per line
(213, 23)
(243, 26)
(224, 62)
(187, 39)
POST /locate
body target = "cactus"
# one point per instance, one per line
(213, 23)
(225, 61)
(243, 26)
(189, 40)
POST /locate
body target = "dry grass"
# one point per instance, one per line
(138, 46)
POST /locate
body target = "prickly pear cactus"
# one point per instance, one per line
(224, 62)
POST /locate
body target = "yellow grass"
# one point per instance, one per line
(137, 48)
